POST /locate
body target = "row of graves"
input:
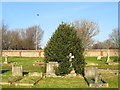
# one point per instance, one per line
(108, 60)
(18, 78)
(92, 75)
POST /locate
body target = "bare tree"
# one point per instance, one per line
(39, 35)
(33, 37)
(15, 40)
(6, 35)
(86, 30)
(115, 37)
(21, 38)
(98, 45)
(107, 44)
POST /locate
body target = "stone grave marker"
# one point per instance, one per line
(97, 82)
(17, 70)
(50, 71)
(96, 79)
(6, 59)
(99, 57)
(90, 71)
(108, 57)
(72, 73)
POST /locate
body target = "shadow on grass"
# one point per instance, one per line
(25, 73)
(4, 71)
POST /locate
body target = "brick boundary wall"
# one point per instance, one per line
(40, 53)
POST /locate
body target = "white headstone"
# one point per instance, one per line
(73, 71)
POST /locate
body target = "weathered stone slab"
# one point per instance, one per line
(5, 83)
(90, 71)
(91, 64)
(50, 70)
(35, 74)
(23, 84)
(17, 70)
(100, 85)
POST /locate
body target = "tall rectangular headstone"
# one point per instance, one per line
(17, 71)
(50, 69)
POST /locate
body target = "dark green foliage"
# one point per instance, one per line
(63, 42)
(64, 68)
(117, 59)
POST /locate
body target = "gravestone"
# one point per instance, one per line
(99, 58)
(17, 70)
(70, 60)
(6, 59)
(72, 73)
(93, 78)
(90, 71)
(50, 70)
(96, 79)
(108, 57)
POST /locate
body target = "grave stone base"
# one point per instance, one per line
(72, 74)
(5, 62)
(35, 74)
(50, 75)
(102, 85)
(113, 63)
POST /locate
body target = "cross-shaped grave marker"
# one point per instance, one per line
(71, 57)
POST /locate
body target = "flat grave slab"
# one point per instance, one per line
(93, 78)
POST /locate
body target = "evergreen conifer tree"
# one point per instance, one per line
(63, 42)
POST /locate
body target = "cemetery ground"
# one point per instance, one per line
(31, 65)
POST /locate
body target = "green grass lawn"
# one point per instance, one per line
(27, 63)
(101, 63)
(57, 82)
(62, 83)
